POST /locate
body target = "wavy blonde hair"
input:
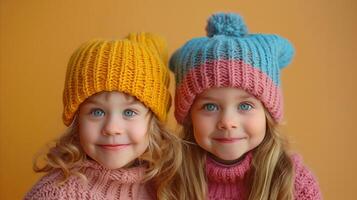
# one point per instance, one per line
(273, 173)
(163, 157)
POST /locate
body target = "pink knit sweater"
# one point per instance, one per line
(229, 182)
(102, 184)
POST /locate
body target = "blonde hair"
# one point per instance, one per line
(272, 169)
(163, 157)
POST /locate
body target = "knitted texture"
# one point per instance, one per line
(231, 57)
(230, 182)
(102, 184)
(134, 65)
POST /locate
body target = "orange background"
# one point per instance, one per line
(37, 37)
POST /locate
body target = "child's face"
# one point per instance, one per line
(228, 122)
(113, 129)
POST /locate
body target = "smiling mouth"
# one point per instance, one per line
(113, 146)
(228, 140)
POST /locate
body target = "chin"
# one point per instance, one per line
(230, 157)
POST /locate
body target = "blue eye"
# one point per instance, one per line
(210, 107)
(129, 113)
(245, 106)
(97, 112)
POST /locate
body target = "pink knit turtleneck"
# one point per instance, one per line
(102, 184)
(230, 182)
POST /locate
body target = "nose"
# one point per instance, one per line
(227, 122)
(113, 126)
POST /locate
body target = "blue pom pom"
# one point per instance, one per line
(228, 24)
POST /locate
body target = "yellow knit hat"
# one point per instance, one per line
(135, 65)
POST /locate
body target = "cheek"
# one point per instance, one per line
(88, 132)
(200, 137)
(201, 131)
(203, 123)
(257, 128)
(203, 126)
(138, 132)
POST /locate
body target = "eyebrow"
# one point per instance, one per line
(92, 101)
(134, 103)
(128, 103)
(209, 98)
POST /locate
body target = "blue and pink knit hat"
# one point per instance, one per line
(231, 57)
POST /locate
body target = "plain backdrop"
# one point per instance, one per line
(37, 38)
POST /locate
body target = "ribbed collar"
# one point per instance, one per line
(94, 170)
(221, 173)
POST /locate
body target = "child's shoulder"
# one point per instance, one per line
(48, 187)
(305, 184)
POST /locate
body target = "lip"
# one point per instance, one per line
(113, 146)
(228, 140)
